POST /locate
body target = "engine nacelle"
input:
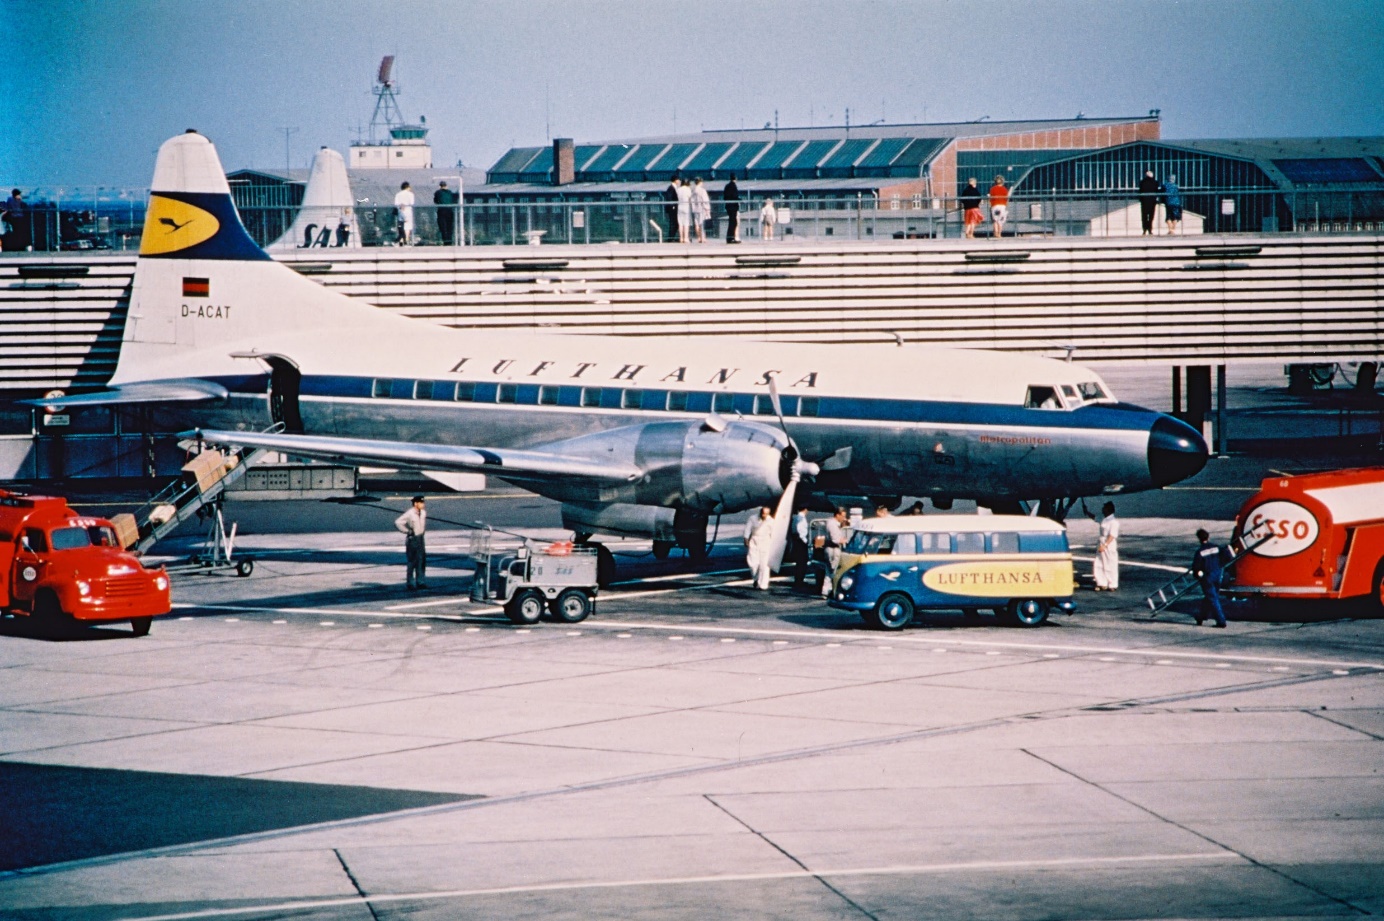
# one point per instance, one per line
(623, 519)
(711, 467)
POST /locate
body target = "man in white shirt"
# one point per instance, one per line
(831, 547)
(404, 203)
(798, 535)
(413, 523)
(759, 536)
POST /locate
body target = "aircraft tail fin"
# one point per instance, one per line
(328, 209)
(205, 292)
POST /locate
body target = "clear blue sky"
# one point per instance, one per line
(94, 86)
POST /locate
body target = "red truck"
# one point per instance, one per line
(1325, 538)
(64, 569)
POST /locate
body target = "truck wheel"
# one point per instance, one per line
(1026, 612)
(893, 612)
(1377, 599)
(572, 606)
(244, 568)
(140, 625)
(50, 618)
(662, 548)
(526, 607)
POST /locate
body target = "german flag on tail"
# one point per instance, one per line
(196, 287)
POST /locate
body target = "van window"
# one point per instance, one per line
(1048, 542)
(934, 543)
(1004, 542)
(864, 543)
(36, 540)
(1040, 397)
(969, 542)
(906, 545)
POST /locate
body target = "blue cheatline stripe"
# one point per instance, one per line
(230, 242)
(1112, 417)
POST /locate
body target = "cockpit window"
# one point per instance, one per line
(1069, 392)
(1092, 391)
(1041, 397)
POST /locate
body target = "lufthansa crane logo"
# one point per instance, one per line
(174, 225)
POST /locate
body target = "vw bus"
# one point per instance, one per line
(1017, 566)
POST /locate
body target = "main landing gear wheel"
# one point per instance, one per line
(1026, 612)
(140, 625)
(572, 606)
(893, 612)
(526, 607)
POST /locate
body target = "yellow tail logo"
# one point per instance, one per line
(173, 225)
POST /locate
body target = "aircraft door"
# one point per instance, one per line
(285, 382)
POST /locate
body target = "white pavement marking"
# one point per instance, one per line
(1159, 566)
(1029, 648)
(459, 599)
(993, 866)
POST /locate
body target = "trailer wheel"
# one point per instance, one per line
(140, 625)
(1026, 612)
(893, 612)
(244, 568)
(526, 607)
(572, 606)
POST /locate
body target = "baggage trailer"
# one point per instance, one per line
(559, 577)
(63, 569)
(1327, 538)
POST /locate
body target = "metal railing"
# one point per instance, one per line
(113, 219)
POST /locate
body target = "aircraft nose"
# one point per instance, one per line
(1176, 451)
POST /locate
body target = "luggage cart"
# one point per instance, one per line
(558, 577)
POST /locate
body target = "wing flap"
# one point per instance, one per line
(508, 463)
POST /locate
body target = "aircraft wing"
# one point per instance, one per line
(508, 463)
(171, 391)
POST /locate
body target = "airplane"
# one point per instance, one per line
(649, 439)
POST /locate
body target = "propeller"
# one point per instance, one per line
(796, 468)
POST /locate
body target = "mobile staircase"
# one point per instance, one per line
(1165, 596)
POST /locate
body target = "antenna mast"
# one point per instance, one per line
(387, 114)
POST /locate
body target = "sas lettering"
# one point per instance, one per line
(208, 312)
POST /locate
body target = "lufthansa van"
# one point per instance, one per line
(1017, 566)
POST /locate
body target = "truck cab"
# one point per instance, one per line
(64, 569)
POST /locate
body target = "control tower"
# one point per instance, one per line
(393, 143)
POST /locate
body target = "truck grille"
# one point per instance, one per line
(125, 587)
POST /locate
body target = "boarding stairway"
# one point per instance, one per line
(203, 482)
(1165, 596)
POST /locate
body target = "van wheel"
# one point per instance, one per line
(1027, 612)
(572, 606)
(971, 613)
(894, 612)
(140, 625)
(526, 607)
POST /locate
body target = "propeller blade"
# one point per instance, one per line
(778, 407)
(783, 515)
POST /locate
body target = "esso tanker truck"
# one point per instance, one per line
(64, 569)
(1316, 536)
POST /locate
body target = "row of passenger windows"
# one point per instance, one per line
(746, 404)
(873, 543)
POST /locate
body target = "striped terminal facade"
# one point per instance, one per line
(1206, 299)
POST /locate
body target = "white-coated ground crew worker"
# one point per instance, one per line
(759, 540)
(1106, 571)
(831, 547)
(413, 523)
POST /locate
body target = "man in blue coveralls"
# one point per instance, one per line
(1206, 566)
